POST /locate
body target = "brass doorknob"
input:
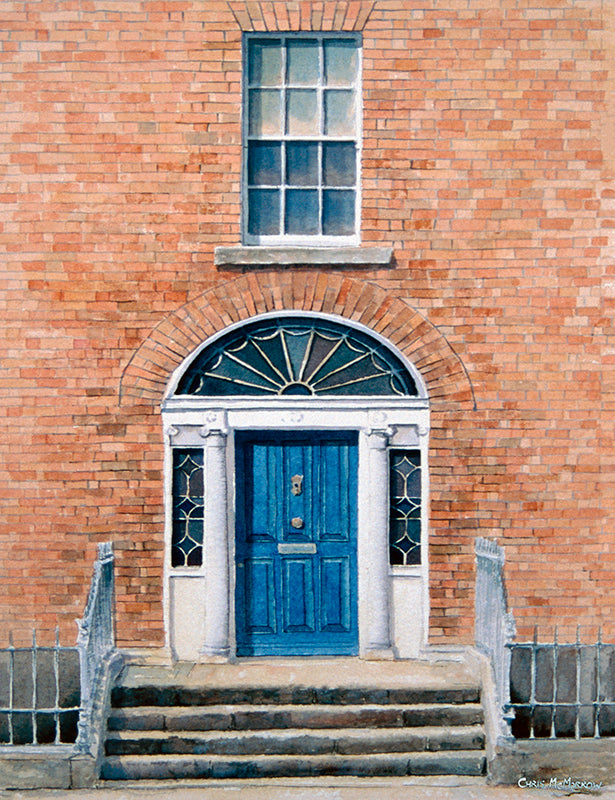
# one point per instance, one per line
(296, 522)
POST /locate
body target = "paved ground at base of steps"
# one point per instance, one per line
(445, 788)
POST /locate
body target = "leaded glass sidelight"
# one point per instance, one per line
(301, 136)
(297, 356)
(188, 503)
(405, 507)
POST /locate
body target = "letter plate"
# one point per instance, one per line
(288, 548)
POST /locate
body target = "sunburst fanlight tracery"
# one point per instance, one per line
(296, 356)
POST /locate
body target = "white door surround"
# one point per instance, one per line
(393, 602)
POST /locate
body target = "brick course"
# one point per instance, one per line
(488, 165)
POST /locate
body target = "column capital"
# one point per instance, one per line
(378, 438)
(215, 430)
(213, 435)
(172, 432)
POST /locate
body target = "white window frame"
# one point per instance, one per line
(294, 239)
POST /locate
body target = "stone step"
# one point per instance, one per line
(269, 766)
(297, 742)
(176, 695)
(260, 717)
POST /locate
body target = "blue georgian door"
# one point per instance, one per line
(296, 545)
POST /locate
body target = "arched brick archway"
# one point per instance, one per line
(147, 374)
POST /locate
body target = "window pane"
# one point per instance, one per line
(338, 213)
(302, 164)
(340, 62)
(301, 211)
(265, 163)
(302, 62)
(339, 163)
(324, 349)
(265, 62)
(265, 116)
(188, 499)
(302, 112)
(264, 211)
(405, 507)
(339, 113)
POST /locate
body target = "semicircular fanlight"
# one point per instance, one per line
(296, 356)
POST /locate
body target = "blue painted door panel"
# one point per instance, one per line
(296, 543)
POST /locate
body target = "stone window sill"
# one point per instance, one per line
(241, 256)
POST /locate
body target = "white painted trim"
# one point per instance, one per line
(405, 423)
(167, 468)
(423, 432)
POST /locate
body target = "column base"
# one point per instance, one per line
(207, 656)
(379, 654)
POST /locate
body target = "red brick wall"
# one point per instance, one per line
(488, 166)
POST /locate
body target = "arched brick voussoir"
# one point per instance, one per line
(279, 15)
(149, 370)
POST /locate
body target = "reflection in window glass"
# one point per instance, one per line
(302, 163)
(302, 112)
(338, 212)
(339, 113)
(264, 163)
(340, 62)
(265, 62)
(265, 112)
(301, 211)
(303, 62)
(264, 207)
(339, 163)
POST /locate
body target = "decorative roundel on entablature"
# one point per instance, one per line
(296, 355)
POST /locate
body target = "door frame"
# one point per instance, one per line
(198, 602)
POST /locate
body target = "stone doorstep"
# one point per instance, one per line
(336, 672)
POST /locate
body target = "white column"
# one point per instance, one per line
(215, 547)
(378, 643)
